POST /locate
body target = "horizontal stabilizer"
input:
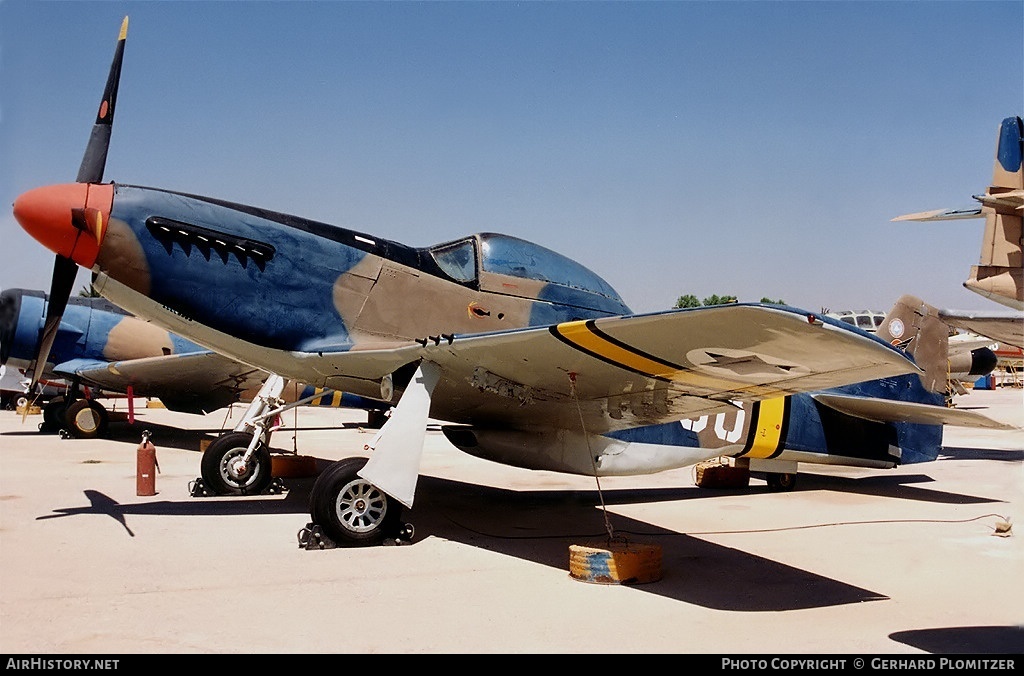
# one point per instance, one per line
(943, 214)
(887, 410)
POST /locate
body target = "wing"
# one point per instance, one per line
(197, 382)
(621, 372)
(1007, 328)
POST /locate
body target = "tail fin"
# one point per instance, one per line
(999, 274)
(916, 327)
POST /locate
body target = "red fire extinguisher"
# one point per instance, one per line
(146, 466)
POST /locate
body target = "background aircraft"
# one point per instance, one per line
(529, 358)
(970, 355)
(999, 274)
(100, 349)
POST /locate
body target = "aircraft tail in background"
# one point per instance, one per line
(999, 274)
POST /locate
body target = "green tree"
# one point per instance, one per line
(689, 300)
(719, 300)
(768, 300)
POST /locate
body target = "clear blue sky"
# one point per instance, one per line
(746, 148)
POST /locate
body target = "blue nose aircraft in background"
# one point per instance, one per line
(526, 356)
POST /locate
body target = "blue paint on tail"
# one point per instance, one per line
(1009, 150)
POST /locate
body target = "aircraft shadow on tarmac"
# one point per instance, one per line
(965, 640)
(540, 526)
(955, 453)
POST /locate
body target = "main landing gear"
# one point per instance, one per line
(359, 502)
(230, 467)
(780, 483)
(349, 510)
(238, 463)
(75, 417)
(346, 508)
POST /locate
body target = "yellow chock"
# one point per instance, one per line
(615, 563)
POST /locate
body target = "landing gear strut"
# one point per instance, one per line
(238, 463)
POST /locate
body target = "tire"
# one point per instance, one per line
(53, 415)
(351, 510)
(375, 418)
(221, 474)
(780, 483)
(86, 419)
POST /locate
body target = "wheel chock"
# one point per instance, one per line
(197, 488)
(313, 538)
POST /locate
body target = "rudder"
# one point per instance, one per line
(999, 274)
(916, 327)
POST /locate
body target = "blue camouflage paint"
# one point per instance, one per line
(1009, 151)
(667, 434)
(232, 298)
(815, 428)
(347, 400)
(84, 329)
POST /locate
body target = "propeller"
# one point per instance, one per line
(65, 270)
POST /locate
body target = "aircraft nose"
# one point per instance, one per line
(68, 219)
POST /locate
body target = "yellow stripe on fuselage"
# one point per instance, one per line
(768, 433)
(324, 399)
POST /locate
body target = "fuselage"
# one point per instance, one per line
(255, 284)
(276, 291)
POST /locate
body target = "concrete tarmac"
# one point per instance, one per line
(902, 561)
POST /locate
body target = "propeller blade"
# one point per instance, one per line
(64, 272)
(91, 171)
(95, 158)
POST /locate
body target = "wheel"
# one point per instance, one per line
(375, 418)
(53, 415)
(222, 469)
(86, 419)
(780, 482)
(350, 509)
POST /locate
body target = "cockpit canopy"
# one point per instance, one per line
(562, 280)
